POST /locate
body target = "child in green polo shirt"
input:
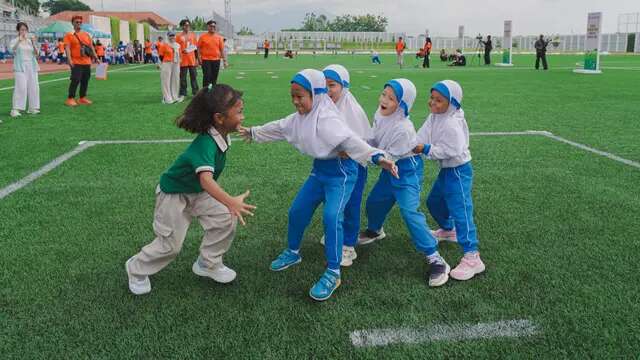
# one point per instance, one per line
(189, 189)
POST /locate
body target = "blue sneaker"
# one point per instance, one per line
(285, 259)
(328, 283)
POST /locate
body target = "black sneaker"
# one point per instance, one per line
(369, 236)
(438, 273)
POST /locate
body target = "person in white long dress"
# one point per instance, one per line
(25, 69)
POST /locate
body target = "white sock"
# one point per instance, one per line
(295, 251)
(337, 271)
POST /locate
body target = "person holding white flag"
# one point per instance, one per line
(25, 69)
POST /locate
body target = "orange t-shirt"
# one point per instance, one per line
(211, 46)
(60, 47)
(99, 50)
(266, 44)
(400, 46)
(166, 51)
(187, 58)
(147, 47)
(71, 40)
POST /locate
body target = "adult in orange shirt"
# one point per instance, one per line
(158, 46)
(400, 46)
(79, 62)
(61, 56)
(188, 58)
(147, 51)
(427, 52)
(210, 51)
(266, 46)
(100, 50)
(170, 70)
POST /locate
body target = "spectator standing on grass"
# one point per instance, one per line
(190, 188)
(266, 45)
(147, 51)
(99, 51)
(488, 46)
(541, 52)
(210, 53)
(25, 70)
(427, 52)
(188, 58)
(170, 70)
(138, 50)
(400, 47)
(130, 52)
(61, 54)
(80, 52)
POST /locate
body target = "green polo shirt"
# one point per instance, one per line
(207, 152)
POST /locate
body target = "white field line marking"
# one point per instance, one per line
(83, 145)
(595, 151)
(67, 78)
(460, 332)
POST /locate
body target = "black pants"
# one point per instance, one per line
(487, 57)
(266, 53)
(210, 70)
(543, 56)
(425, 62)
(147, 58)
(193, 75)
(80, 74)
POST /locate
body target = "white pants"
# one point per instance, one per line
(26, 87)
(170, 80)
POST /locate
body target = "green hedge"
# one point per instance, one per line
(115, 31)
(133, 31)
(147, 31)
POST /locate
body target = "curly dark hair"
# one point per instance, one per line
(21, 24)
(184, 21)
(216, 99)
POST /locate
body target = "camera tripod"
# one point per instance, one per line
(479, 50)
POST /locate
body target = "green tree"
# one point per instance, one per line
(115, 31)
(313, 22)
(30, 6)
(351, 23)
(245, 31)
(198, 24)
(56, 6)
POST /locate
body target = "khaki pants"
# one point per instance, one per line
(170, 80)
(172, 217)
(400, 59)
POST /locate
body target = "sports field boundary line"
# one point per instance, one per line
(442, 332)
(84, 145)
(67, 77)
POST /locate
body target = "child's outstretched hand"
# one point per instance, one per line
(245, 133)
(238, 207)
(418, 149)
(390, 166)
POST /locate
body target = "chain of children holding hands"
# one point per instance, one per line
(331, 127)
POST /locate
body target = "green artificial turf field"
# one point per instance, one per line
(558, 225)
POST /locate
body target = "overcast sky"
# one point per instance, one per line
(410, 16)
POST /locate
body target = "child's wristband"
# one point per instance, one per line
(426, 149)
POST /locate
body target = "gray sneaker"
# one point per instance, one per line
(438, 273)
(368, 236)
